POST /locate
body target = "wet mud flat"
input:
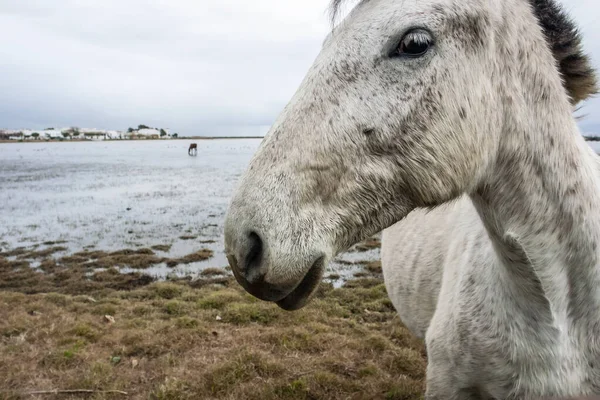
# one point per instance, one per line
(104, 197)
(49, 267)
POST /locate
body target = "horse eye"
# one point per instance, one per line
(414, 44)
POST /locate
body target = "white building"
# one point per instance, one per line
(83, 133)
(150, 133)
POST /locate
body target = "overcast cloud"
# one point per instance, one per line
(199, 67)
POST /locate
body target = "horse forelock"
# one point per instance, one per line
(335, 9)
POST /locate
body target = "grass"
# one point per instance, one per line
(189, 340)
(213, 272)
(201, 255)
(66, 277)
(52, 243)
(87, 271)
(43, 253)
(188, 237)
(162, 247)
(374, 267)
(369, 244)
(135, 261)
(13, 253)
(166, 343)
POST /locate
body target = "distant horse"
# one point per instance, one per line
(193, 150)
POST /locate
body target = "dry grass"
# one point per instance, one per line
(35, 254)
(162, 247)
(369, 244)
(201, 255)
(194, 339)
(188, 237)
(53, 243)
(190, 340)
(17, 276)
(213, 272)
(15, 273)
(128, 252)
(374, 267)
(14, 252)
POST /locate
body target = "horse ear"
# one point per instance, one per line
(564, 39)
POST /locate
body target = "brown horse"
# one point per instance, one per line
(193, 149)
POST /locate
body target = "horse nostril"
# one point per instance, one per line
(253, 259)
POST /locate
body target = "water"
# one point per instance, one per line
(125, 194)
(595, 146)
(129, 194)
(116, 195)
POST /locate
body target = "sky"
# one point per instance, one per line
(197, 67)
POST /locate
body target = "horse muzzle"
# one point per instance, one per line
(254, 272)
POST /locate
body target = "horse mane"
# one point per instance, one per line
(563, 38)
(335, 8)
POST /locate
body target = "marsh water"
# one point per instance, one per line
(113, 195)
(116, 195)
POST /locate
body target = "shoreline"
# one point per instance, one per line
(31, 269)
(135, 140)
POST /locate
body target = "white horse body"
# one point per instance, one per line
(430, 260)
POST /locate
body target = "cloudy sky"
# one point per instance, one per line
(199, 67)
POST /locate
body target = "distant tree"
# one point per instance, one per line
(35, 135)
(66, 134)
(48, 136)
(130, 130)
(49, 129)
(175, 135)
(163, 133)
(73, 131)
(143, 127)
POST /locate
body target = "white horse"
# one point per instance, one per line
(455, 118)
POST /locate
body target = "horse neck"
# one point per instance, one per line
(540, 203)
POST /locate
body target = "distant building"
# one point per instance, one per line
(73, 133)
(52, 134)
(145, 134)
(14, 135)
(6, 134)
